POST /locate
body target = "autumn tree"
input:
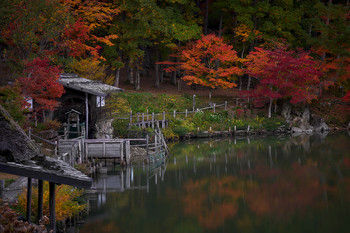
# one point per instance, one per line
(31, 26)
(210, 62)
(283, 73)
(39, 82)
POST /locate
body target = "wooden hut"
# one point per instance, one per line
(85, 96)
(20, 156)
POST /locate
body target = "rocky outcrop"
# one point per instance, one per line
(104, 129)
(319, 124)
(306, 123)
(301, 124)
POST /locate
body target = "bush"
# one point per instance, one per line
(67, 204)
(120, 128)
(180, 130)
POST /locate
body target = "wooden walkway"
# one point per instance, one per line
(80, 150)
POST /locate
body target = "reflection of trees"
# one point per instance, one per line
(265, 191)
(211, 200)
(101, 227)
(293, 191)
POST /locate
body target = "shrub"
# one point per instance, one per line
(67, 204)
(180, 130)
(120, 128)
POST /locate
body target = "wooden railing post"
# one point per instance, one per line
(130, 120)
(152, 120)
(225, 105)
(40, 200)
(186, 113)
(194, 102)
(214, 106)
(52, 207)
(29, 199)
(147, 146)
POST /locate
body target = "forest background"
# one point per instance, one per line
(249, 47)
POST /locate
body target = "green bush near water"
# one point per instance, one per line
(181, 126)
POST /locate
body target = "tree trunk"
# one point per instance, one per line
(275, 106)
(137, 81)
(117, 76)
(131, 75)
(161, 74)
(240, 83)
(206, 17)
(157, 68)
(179, 85)
(270, 107)
(220, 24)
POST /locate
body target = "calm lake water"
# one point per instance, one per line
(299, 184)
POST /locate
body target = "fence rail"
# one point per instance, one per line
(152, 120)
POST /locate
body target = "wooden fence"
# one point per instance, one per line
(153, 120)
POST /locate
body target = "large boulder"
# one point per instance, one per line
(104, 129)
(300, 125)
(319, 124)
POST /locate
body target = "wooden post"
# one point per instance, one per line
(87, 115)
(152, 120)
(130, 117)
(225, 105)
(174, 113)
(214, 107)
(194, 102)
(127, 151)
(40, 200)
(121, 152)
(104, 149)
(147, 146)
(147, 115)
(186, 113)
(52, 206)
(138, 118)
(163, 121)
(29, 199)
(143, 120)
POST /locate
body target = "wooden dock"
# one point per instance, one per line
(79, 150)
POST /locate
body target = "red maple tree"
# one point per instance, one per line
(210, 62)
(39, 82)
(283, 73)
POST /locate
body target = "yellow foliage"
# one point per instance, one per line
(118, 105)
(90, 69)
(66, 205)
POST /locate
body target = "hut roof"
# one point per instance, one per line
(20, 156)
(93, 87)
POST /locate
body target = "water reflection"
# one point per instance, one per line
(267, 185)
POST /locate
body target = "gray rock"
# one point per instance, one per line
(306, 115)
(286, 111)
(300, 124)
(319, 124)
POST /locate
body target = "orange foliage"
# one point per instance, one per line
(210, 62)
(212, 201)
